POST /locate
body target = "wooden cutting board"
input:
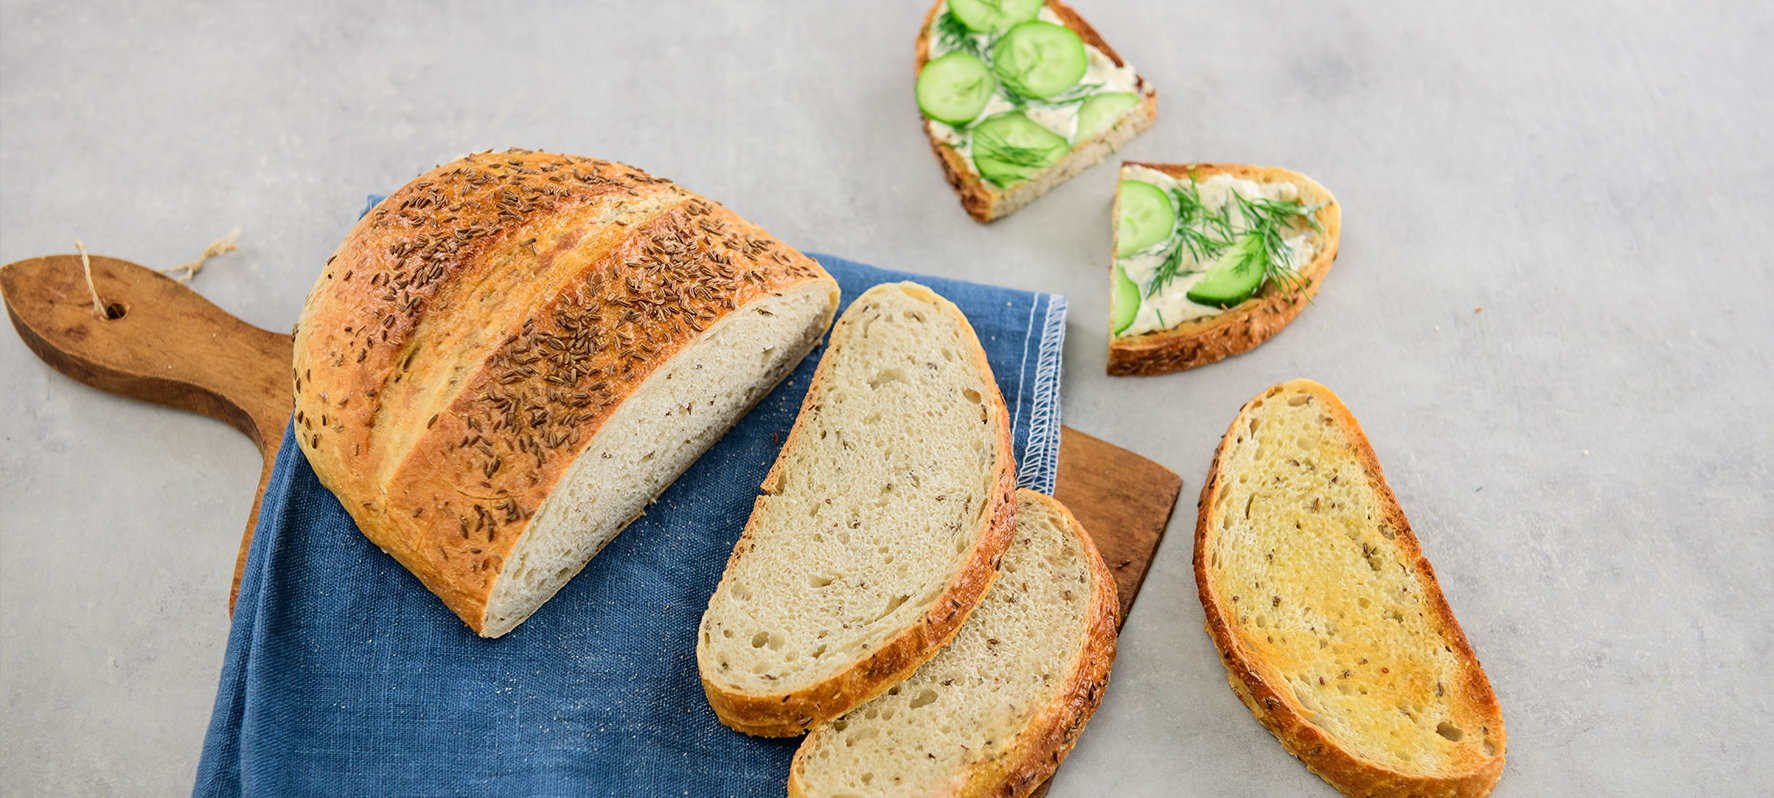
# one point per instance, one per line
(160, 342)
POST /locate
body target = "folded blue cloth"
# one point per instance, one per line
(344, 676)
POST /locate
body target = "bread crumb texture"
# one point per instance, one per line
(878, 501)
(964, 723)
(1325, 590)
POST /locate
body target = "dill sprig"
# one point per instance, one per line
(1272, 219)
(1011, 154)
(1167, 271)
(1014, 93)
(1259, 242)
(956, 37)
(1203, 235)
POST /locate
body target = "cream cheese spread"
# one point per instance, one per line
(1166, 306)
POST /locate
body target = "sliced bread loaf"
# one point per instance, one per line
(880, 527)
(1328, 618)
(997, 710)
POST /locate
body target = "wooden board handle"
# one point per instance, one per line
(160, 342)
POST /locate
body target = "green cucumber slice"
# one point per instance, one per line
(1233, 278)
(1039, 59)
(1010, 147)
(993, 16)
(955, 88)
(1101, 111)
(1124, 304)
(1145, 217)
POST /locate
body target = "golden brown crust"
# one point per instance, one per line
(1265, 689)
(791, 713)
(981, 199)
(1057, 726)
(1241, 328)
(476, 329)
(1053, 730)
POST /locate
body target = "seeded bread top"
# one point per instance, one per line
(478, 326)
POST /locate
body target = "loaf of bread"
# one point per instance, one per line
(509, 357)
(1329, 620)
(986, 200)
(880, 526)
(996, 711)
(1205, 339)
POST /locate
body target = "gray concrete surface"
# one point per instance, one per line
(1586, 459)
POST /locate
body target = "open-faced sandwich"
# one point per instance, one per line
(1019, 96)
(1211, 260)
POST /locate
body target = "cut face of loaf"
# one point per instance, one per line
(510, 356)
(652, 437)
(1333, 628)
(996, 711)
(880, 526)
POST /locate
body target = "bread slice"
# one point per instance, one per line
(1240, 328)
(997, 710)
(986, 201)
(509, 357)
(1328, 618)
(881, 524)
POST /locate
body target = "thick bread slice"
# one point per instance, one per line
(880, 527)
(1240, 328)
(985, 201)
(997, 710)
(1330, 622)
(509, 357)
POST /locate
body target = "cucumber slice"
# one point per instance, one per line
(1010, 147)
(1146, 217)
(1233, 278)
(955, 88)
(993, 16)
(1124, 304)
(1040, 59)
(1101, 111)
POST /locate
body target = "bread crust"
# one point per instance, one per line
(1060, 722)
(984, 201)
(793, 712)
(1239, 329)
(476, 329)
(1052, 732)
(1265, 690)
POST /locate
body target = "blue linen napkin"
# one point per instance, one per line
(344, 676)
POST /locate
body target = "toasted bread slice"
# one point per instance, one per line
(881, 524)
(1328, 618)
(985, 200)
(997, 710)
(1238, 329)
